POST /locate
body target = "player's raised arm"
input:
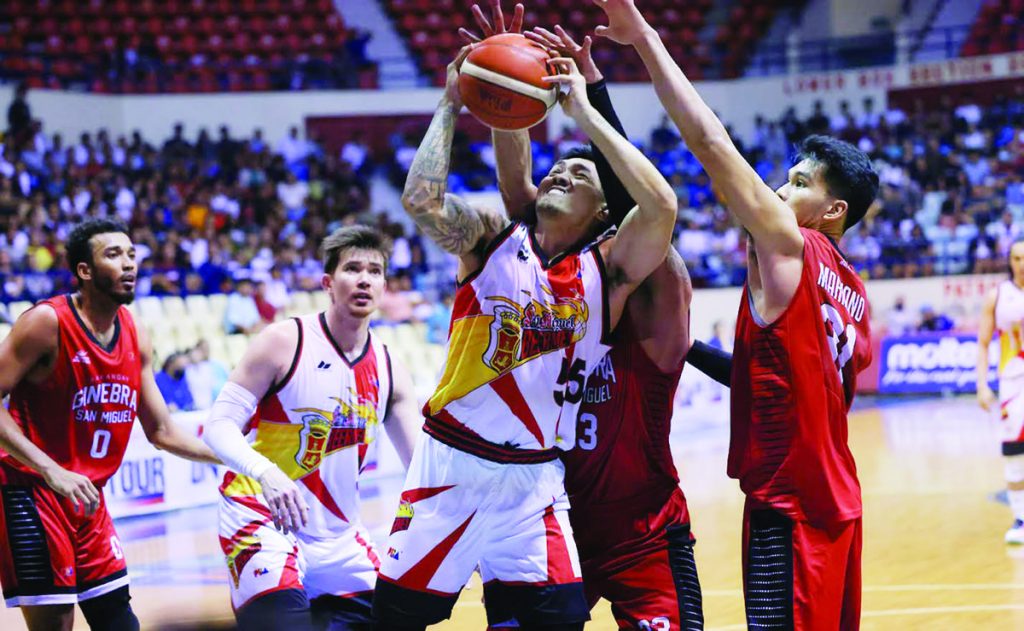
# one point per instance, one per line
(757, 206)
(514, 160)
(448, 220)
(986, 329)
(32, 342)
(646, 233)
(260, 368)
(403, 422)
(160, 428)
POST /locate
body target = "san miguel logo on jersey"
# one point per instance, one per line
(519, 334)
(599, 384)
(403, 517)
(327, 431)
(92, 403)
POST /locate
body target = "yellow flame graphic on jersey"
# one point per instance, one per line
(484, 347)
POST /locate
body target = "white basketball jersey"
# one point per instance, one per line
(1009, 321)
(319, 422)
(525, 332)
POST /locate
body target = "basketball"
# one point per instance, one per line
(501, 83)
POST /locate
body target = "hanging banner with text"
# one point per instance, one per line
(931, 363)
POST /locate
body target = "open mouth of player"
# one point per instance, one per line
(362, 298)
(128, 281)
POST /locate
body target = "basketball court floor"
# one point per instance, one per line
(934, 556)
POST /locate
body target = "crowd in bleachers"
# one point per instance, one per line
(218, 214)
(123, 46)
(951, 197)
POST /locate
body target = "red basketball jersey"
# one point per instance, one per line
(82, 415)
(622, 451)
(793, 381)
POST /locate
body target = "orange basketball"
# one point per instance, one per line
(500, 82)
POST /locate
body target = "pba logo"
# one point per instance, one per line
(260, 571)
(402, 518)
(393, 553)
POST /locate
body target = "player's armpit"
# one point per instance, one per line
(268, 358)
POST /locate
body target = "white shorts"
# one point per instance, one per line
(261, 559)
(459, 512)
(1011, 407)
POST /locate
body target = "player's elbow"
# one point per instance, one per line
(417, 201)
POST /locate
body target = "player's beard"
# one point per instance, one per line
(108, 287)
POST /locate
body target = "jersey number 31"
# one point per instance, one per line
(842, 337)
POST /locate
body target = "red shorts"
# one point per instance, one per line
(641, 561)
(49, 553)
(797, 576)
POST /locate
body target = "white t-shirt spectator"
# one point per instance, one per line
(224, 205)
(401, 255)
(970, 112)
(277, 293)
(293, 149)
(354, 153)
(124, 202)
(293, 195)
(692, 244)
(198, 252)
(240, 313)
(975, 140)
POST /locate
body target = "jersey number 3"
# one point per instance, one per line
(842, 337)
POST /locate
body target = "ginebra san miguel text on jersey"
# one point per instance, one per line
(525, 332)
(82, 414)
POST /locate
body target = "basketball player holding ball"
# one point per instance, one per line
(534, 304)
(1003, 311)
(628, 514)
(802, 336)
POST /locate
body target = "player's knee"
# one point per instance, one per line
(284, 609)
(49, 617)
(396, 608)
(110, 612)
(1014, 468)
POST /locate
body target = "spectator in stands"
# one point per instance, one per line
(898, 319)
(241, 315)
(396, 304)
(356, 152)
(721, 336)
(292, 148)
(205, 376)
(267, 311)
(19, 116)
(173, 384)
(292, 194)
(932, 321)
(177, 146)
(439, 320)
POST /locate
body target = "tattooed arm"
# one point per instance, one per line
(448, 220)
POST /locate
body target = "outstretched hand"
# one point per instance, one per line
(565, 46)
(574, 95)
(498, 27)
(626, 25)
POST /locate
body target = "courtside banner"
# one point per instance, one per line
(931, 363)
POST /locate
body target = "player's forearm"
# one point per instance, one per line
(981, 366)
(233, 409)
(14, 442)
(711, 361)
(514, 162)
(698, 124)
(175, 440)
(642, 180)
(427, 181)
